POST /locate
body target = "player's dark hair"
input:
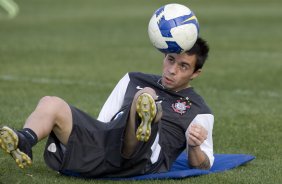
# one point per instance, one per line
(201, 50)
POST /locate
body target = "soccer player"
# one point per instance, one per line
(146, 122)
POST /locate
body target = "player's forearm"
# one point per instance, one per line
(197, 158)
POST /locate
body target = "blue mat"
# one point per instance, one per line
(179, 169)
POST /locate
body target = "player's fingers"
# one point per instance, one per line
(197, 136)
(201, 130)
(194, 141)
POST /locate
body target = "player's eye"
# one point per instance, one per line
(171, 60)
(184, 67)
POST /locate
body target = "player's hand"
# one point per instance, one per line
(196, 135)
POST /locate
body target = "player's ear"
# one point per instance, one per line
(196, 74)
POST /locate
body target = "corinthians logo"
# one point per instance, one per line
(181, 106)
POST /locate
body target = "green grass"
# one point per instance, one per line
(78, 50)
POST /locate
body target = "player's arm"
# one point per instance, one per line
(114, 101)
(199, 142)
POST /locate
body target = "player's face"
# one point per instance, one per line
(178, 70)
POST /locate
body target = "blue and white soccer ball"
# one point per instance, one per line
(173, 28)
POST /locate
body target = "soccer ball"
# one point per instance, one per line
(173, 28)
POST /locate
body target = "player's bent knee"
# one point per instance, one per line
(148, 90)
(55, 107)
(52, 101)
(61, 114)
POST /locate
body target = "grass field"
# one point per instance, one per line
(78, 50)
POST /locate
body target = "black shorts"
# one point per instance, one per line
(94, 149)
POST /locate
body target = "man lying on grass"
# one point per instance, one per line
(146, 122)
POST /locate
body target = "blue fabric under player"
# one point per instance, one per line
(223, 162)
(180, 169)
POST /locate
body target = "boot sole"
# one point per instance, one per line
(9, 143)
(146, 109)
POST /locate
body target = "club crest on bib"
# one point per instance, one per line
(181, 106)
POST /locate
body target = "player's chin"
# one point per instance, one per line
(168, 86)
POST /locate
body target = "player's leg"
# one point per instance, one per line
(51, 114)
(146, 109)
